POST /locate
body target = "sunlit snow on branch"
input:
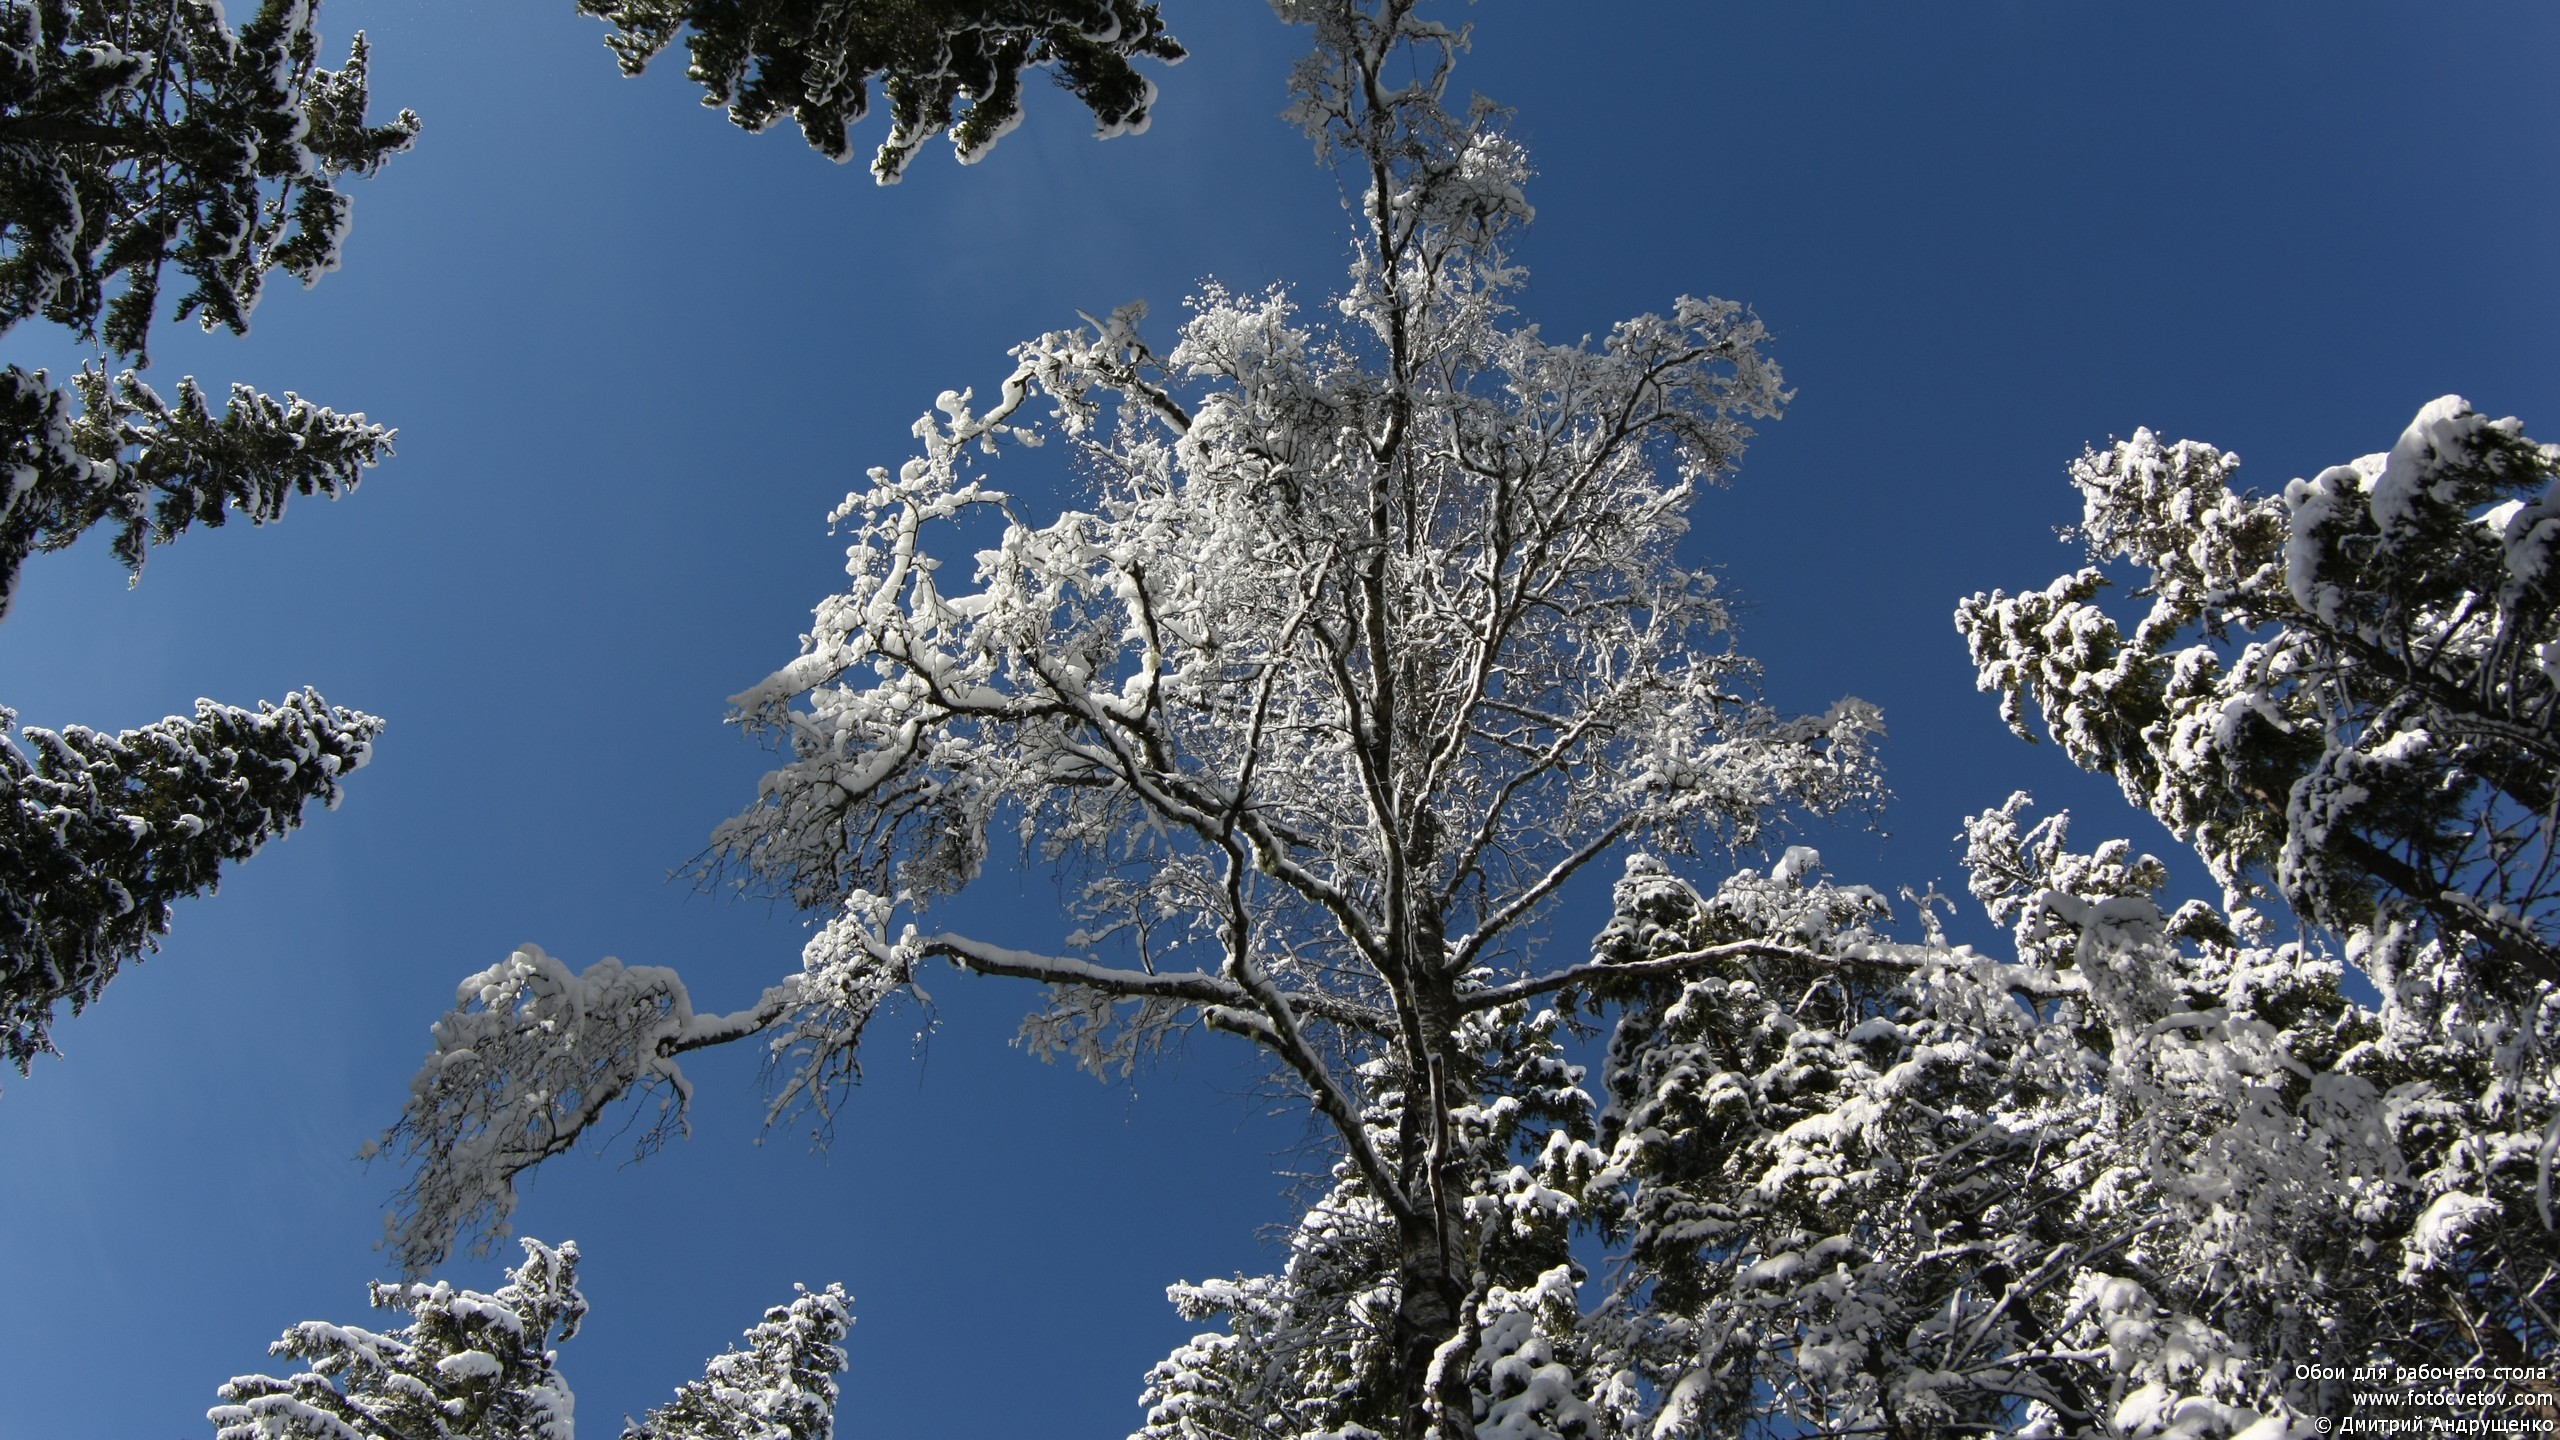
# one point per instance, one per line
(529, 1057)
(1364, 637)
(2338, 691)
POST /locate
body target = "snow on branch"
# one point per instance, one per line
(475, 1366)
(468, 1364)
(1366, 633)
(149, 468)
(1687, 962)
(528, 1059)
(780, 1386)
(213, 149)
(2343, 693)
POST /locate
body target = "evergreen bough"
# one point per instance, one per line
(946, 66)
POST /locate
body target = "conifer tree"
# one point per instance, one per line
(781, 1386)
(100, 834)
(145, 135)
(1311, 1350)
(467, 1366)
(137, 138)
(1837, 1200)
(2343, 697)
(945, 66)
(470, 1366)
(151, 468)
(2347, 692)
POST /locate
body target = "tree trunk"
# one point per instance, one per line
(1432, 1270)
(1431, 1304)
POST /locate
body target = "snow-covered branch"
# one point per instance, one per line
(2343, 692)
(467, 1365)
(1366, 634)
(1687, 962)
(149, 468)
(529, 1058)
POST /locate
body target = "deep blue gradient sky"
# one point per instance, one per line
(635, 357)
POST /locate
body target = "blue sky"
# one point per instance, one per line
(635, 356)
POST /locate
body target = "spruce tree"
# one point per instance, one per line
(781, 1386)
(2146, 1176)
(137, 138)
(468, 1366)
(150, 468)
(100, 834)
(474, 1366)
(2346, 692)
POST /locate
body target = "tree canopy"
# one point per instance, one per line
(102, 834)
(2342, 691)
(1330, 649)
(1368, 636)
(135, 140)
(1371, 641)
(141, 136)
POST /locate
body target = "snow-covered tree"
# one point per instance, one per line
(140, 135)
(2156, 1175)
(100, 834)
(1310, 1351)
(2148, 1177)
(1847, 1205)
(467, 1366)
(2342, 694)
(2151, 1176)
(2332, 1183)
(473, 1366)
(2141, 1179)
(1368, 639)
(1367, 636)
(946, 66)
(2346, 689)
(135, 137)
(152, 468)
(781, 1386)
